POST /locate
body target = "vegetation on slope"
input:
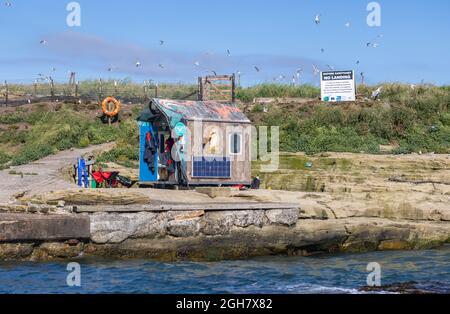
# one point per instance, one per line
(28, 135)
(411, 119)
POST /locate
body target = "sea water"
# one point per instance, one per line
(342, 273)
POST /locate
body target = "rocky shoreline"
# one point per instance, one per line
(217, 235)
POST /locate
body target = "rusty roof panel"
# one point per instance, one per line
(177, 110)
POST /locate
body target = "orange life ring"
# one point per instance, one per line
(116, 103)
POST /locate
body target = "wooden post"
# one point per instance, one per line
(52, 89)
(233, 88)
(35, 88)
(76, 89)
(6, 93)
(100, 96)
(145, 91)
(200, 89)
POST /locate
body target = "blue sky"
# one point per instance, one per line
(278, 37)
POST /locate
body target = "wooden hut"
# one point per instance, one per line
(194, 143)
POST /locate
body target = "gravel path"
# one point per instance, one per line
(43, 175)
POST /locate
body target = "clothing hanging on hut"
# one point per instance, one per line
(150, 153)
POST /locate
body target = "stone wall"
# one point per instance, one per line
(216, 235)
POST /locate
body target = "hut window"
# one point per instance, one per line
(235, 143)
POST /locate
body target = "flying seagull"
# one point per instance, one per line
(161, 66)
(161, 42)
(214, 72)
(43, 42)
(196, 63)
(357, 62)
(317, 19)
(228, 52)
(316, 70)
(8, 4)
(257, 69)
(348, 24)
(322, 50)
(138, 64)
(330, 67)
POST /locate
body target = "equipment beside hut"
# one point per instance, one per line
(194, 143)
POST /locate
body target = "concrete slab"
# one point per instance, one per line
(29, 227)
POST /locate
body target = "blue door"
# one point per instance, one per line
(145, 174)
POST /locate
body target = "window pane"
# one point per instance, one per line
(235, 143)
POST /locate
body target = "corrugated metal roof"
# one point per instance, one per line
(177, 110)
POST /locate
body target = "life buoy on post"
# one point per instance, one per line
(105, 109)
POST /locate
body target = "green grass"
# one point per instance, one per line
(415, 119)
(276, 91)
(52, 131)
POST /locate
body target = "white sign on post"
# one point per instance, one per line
(338, 86)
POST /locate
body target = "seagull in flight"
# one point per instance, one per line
(8, 4)
(322, 50)
(138, 64)
(257, 69)
(330, 67)
(316, 70)
(228, 52)
(161, 66)
(161, 42)
(348, 24)
(43, 42)
(317, 19)
(197, 63)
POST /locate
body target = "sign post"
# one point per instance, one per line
(338, 86)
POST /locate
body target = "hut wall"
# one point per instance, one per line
(240, 163)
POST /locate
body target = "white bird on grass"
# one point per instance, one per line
(377, 93)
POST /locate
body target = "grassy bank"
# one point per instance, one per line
(29, 134)
(408, 119)
(411, 119)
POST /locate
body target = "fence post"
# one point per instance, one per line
(6, 93)
(76, 89)
(35, 88)
(233, 88)
(52, 89)
(100, 96)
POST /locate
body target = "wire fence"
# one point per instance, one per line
(17, 94)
